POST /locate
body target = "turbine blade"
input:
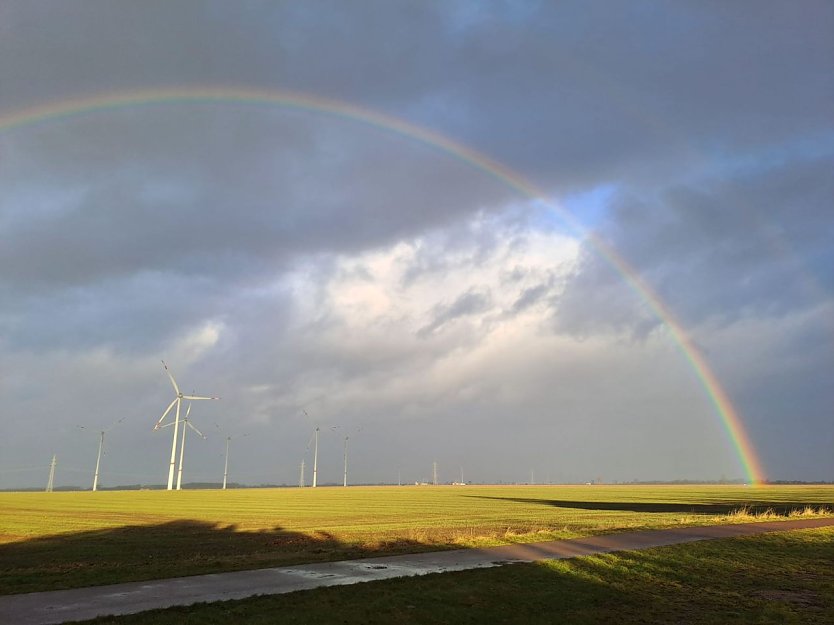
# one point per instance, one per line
(165, 414)
(188, 411)
(173, 381)
(188, 423)
(198, 397)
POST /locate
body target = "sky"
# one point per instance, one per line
(424, 264)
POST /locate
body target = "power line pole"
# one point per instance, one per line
(51, 481)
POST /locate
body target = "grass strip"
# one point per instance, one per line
(780, 578)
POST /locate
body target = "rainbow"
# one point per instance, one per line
(69, 108)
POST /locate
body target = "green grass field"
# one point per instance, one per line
(63, 540)
(775, 579)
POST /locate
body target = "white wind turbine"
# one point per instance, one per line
(347, 437)
(229, 439)
(100, 448)
(314, 438)
(178, 401)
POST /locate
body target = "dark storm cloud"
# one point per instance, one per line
(754, 244)
(206, 198)
(542, 86)
(225, 202)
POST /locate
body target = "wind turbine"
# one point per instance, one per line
(101, 448)
(347, 437)
(226, 463)
(314, 438)
(178, 401)
(344, 483)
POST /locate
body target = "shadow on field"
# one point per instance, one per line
(772, 579)
(177, 548)
(753, 507)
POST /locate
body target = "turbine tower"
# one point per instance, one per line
(186, 424)
(178, 401)
(316, 458)
(101, 448)
(314, 438)
(226, 455)
(345, 480)
(98, 461)
(51, 473)
(347, 437)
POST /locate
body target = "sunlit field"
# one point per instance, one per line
(54, 540)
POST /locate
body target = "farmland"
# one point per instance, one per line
(60, 540)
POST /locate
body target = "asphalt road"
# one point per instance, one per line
(43, 608)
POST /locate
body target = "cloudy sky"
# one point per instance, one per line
(293, 260)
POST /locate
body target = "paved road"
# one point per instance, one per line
(43, 608)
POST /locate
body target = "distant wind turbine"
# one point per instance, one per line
(316, 458)
(178, 401)
(226, 455)
(100, 448)
(344, 482)
(51, 481)
(314, 438)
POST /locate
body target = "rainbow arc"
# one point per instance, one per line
(718, 397)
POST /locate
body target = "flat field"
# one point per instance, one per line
(64, 540)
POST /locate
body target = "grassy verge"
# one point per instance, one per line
(65, 540)
(777, 578)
